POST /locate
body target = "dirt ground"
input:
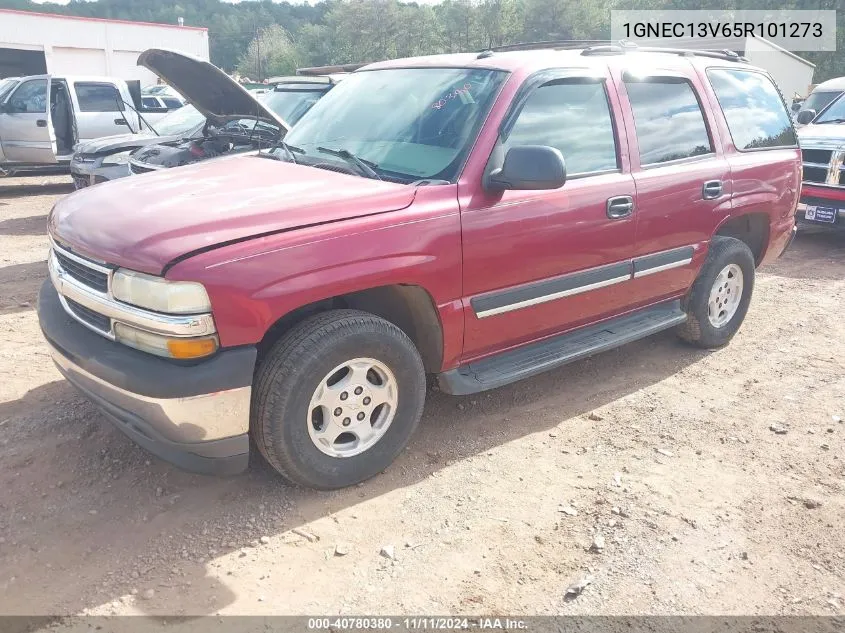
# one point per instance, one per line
(666, 453)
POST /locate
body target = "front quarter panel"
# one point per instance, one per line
(253, 283)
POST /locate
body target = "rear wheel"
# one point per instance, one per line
(337, 398)
(719, 298)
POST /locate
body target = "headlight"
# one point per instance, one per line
(162, 345)
(121, 158)
(158, 294)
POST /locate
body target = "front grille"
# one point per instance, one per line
(824, 166)
(94, 319)
(815, 174)
(83, 274)
(135, 168)
(820, 156)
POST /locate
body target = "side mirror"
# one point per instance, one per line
(805, 116)
(796, 107)
(530, 167)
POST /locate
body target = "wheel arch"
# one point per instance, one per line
(411, 308)
(751, 228)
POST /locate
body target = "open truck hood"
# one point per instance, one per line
(147, 221)
(211, 91)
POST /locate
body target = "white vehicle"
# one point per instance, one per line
(42, 117)
(162, 101)
(823, 95)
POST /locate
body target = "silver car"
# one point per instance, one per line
(107, 158)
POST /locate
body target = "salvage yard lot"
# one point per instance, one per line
(676, 457)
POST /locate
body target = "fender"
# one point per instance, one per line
(255, 283)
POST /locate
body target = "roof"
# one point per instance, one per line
(837, 83)
(60, 16)
(542, 58)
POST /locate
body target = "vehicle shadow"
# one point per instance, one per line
(121, 518)
(30, 225)
(22, 190)
(814, 254)
(19, 284)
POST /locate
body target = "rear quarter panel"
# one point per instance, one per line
(254, 283)
(763, 181)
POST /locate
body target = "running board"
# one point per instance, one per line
(535, 358)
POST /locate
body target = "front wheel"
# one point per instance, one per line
(719, 298)
(337, 398)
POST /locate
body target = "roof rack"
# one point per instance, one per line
(607, 47)
(555, 44)
(725, 54)
(327, 70)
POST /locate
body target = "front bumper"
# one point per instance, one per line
(88, 173)
(194, 416)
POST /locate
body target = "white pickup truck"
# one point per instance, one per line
(43, 116)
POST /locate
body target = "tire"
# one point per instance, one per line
(699, 329)
(295, 371)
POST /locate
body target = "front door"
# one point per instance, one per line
(540, 262)
(26, 130)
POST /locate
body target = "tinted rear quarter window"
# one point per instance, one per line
(94, 97)
(756, 115)
(668, 119)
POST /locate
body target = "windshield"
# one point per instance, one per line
(291, 104)
(818, 101)
(408, 124)
(179, 121)
(6, 86)
(836, 112)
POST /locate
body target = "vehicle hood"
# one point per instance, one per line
(147, 221)
(210, 90)
(832, 134)
(119, 143)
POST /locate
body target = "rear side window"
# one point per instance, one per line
(94, 97)
(573, 117)
(149, 102)
(756, 115)
(173, 104)
(667, 115)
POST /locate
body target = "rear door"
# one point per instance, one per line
(100, 110)
(683, 180)
(26, 132)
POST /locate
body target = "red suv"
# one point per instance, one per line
(478, 217)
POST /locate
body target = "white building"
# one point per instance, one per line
(792, 74)
(36, 43)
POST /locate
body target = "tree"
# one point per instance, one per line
(271, 52)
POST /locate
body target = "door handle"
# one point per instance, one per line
(41, 123)
(120, 122)
(711, 189)
(620, 207)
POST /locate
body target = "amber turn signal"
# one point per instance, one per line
(185, 348)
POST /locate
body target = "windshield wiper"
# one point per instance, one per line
(352, 159)
(831, 121)
(290, 150)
